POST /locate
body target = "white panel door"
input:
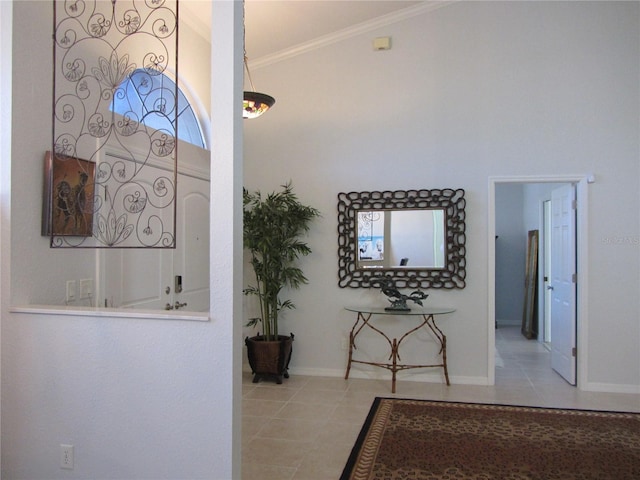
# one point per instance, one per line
(563, 282)
(145, 278)
(191, 259)
(137, 277)
(134, 277)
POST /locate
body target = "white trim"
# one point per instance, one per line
(582, 320)
(95, 312)
(491, 284)
(6, 56)
(612, 388)
(349, 32)
(582, 256)
(436, 377)
(225, 224)
(544, 236)
(199, 111)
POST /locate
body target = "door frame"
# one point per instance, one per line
(582, 315)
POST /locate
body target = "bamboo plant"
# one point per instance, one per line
(273, 227)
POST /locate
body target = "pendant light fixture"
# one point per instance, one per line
(254, 103)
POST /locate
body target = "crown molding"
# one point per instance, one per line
(350, 32)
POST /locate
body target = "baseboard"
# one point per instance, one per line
(503, 322)
(380, 374)
(611, 388)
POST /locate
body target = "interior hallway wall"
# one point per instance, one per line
(137, 397)
(511, 248)
(468, 91)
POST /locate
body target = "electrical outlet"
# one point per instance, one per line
(86, 288)
(71, 290)
(66, 456)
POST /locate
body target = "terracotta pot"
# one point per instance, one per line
(269, 359)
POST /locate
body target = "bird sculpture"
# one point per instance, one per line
(398, 299)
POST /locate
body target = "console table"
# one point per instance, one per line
(425, 316)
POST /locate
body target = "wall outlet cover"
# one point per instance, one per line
(66, 456)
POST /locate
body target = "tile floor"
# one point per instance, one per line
(305, 428)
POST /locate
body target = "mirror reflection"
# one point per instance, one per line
(159, 278)
(400, 239)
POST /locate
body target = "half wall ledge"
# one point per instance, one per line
(111, 312)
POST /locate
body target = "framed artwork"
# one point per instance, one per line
(67, 208)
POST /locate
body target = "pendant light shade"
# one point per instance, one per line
(255, 104)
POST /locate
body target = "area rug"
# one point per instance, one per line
(417, 439)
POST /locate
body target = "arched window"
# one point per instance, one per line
(144, 95)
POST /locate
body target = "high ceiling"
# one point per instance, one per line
(274, 25)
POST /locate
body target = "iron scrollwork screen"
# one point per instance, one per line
(103, 49)
(453, 203)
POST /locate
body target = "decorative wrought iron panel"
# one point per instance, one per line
(451, 201)
(98, 199)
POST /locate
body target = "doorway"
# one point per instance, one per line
(532, 191)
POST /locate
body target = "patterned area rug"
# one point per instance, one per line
(417, 439)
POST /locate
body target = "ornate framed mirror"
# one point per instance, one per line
(417, 237)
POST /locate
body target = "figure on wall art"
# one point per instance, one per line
(68, 196)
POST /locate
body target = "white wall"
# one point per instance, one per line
(39, 273)
(138, 397)
(511, 247)
(194, 53)
(534, 195)
(469, 91)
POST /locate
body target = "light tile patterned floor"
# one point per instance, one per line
(305, 428)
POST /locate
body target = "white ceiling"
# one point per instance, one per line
(274, 26)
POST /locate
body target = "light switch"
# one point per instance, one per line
(71, 290)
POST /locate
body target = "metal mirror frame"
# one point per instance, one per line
(452, 201)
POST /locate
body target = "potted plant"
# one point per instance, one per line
(272, 231)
